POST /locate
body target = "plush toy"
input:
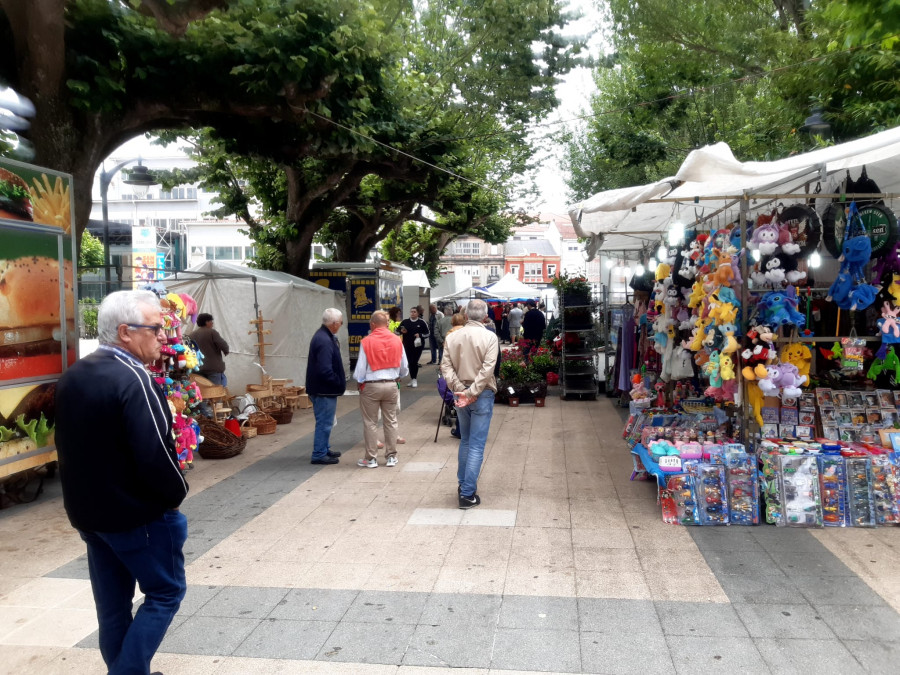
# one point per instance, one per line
(696, 343)
(737, 279)
(789, 380)
(856, 253)
(887, 266)
(726, 367)
(663, 270)
(765, 238)
(779, 308)
(177, 305)
(724, 274)
(779, 267)
(768, 377)
(888, 324)
(798, 355)
(672, 295)
(190, 307)
(697, 295)
(723, 313)
(730, 344)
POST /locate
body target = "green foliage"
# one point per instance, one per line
(513, 372)
(88, 308)
(90, 254)
(720, 70)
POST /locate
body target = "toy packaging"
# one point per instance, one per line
(884, 490)
(682, 490)
(712, 494)
(833, 487)
(771, 487)
(743, 489)
(859, 492)
(799, 478)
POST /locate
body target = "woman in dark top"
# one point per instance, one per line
(410, 329)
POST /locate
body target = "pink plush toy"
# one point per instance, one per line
(765, 238)
(190, 307)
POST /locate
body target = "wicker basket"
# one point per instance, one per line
(248, 431)
(219, 443)
(264, 423)
(281, 415)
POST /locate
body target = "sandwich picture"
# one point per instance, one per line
(15, 197)
(27, 416)
(30, 325)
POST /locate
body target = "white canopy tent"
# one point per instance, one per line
(465, 294)
(295, 306)
(509, 286)
(711, 181)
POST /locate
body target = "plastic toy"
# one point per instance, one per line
(859, 492)
(743, 490)
(833, 490)
(712, 494)
(799, 478)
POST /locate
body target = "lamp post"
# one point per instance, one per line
(141, 179)
(816, 124)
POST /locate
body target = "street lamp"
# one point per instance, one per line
(816, 124)
(141, 178)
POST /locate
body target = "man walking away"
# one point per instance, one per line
(382, 362)
(434, 317)
(122, 488)
(213, 347)
(325, 381)
(533, 325)
(470, 355)
(515, 323)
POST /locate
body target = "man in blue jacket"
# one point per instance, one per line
(121, 485)
(325, 381)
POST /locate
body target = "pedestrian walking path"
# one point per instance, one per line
(565, 567)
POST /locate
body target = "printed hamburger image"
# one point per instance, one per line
(27, 416)
(15, 198)
(31, 328)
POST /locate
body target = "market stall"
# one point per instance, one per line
(748, 350)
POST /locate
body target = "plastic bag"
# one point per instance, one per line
(417, 342)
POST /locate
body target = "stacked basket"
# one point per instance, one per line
(219, 443)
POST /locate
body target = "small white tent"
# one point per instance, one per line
(295, 306)
(510, 287)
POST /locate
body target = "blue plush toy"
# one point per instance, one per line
(779, 308)
(855, 255)
(849, 290)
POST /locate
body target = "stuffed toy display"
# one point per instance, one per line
(779, 308)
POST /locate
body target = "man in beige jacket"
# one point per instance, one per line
(470, 354)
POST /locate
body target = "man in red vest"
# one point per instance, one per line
(382, 362)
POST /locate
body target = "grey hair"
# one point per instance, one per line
(331, 315)
(476, 310)
(122, 307)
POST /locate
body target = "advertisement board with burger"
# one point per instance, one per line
(38, 339)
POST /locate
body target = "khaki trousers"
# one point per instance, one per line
(383, 397)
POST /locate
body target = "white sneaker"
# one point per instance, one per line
(392, 460)
(367, 463)
(413, 384)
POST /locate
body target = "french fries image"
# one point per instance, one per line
(52, 205)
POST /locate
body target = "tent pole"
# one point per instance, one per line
(745, 273)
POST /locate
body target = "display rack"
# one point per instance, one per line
(578, 372)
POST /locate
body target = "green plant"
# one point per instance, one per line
(513, 372)
(543, 362)
(88, 318)
(571, 285)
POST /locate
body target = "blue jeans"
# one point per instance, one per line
(217, 378)
(153, 556)
(324, 408)
(474, 423)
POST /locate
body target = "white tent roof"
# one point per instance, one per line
(510, 287)
(294, 304)
(628, 219)
(416, 278)
(465, 294)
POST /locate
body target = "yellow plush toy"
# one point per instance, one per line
(799, 355)
(697, 294)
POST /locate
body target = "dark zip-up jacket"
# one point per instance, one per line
(324, 368)
(117, 460)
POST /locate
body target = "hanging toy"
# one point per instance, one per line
(765, 238)
(797, 354)
(779, 308)
(888, 325)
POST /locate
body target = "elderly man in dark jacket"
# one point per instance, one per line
(533, 325)
(325, 381)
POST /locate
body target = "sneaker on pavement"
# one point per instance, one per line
(413, 384)
(367, 463)
(392, 460)
(469, 502)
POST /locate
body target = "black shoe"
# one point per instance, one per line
(334, 453)
(469, 502)
(326, 460)
(455, 434)
(459, 490)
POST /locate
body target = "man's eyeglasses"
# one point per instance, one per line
(156, 328)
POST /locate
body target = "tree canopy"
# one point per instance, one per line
(740, 71)
(359, 115)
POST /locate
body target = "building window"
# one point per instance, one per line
(495, 271)
(551, 271)
(495, 250)
(198, 251)
(514, 269)
(576, 247)
(472, 271)
(533, 270)
(467, 248)
(248, 252)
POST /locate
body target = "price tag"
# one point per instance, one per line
(670, 462)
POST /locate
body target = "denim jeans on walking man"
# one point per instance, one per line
(324, 409)
(474, 423)
(152, 555)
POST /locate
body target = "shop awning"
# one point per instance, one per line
(712, 179)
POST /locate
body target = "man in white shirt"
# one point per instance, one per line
(515, 322)
(382, 362)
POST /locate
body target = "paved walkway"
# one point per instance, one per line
(565, 567)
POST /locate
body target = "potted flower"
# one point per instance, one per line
(535, 386)
(572, 290)
(512, 379)
(543, 361)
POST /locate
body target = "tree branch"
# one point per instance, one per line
(175, 17)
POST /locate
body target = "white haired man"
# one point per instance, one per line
(325, 381)
(122, 488)
(470, 355)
